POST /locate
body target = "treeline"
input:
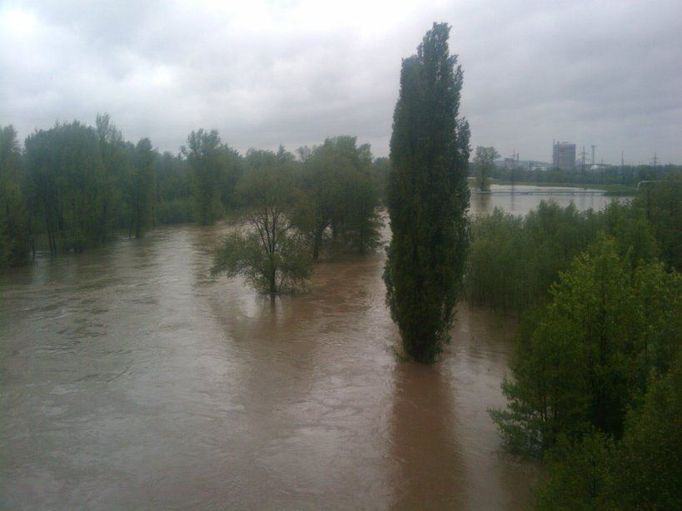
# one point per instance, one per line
(595, 386)
(513, 260)
(628, 175)
(75, 186)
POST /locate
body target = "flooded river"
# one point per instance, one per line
(130, 379)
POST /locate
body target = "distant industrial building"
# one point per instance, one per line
(563, 156)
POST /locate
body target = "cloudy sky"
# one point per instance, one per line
(294, 72)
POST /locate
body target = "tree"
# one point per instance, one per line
(339, 196)
(513, 260)
(173, 181)
(484, 164)
(268, 251)
(640, 472)
(646, 472)
(427, 197)
(69, 186)
(14, 222)
(662, 203)
(203, 152)
(587, 356)
(117, 167)
(380, 170)
(142, 188)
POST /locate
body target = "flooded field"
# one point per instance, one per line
(130, 379)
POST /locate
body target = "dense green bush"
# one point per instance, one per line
(174, 211)
(514, 260)
(662, 203)
(583, 359)
(642, 471)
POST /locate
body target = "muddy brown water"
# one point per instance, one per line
(130, 379)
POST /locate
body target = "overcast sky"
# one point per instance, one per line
(294, 72)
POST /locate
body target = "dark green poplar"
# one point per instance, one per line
(428, 197)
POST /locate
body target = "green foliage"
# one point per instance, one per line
(284, 268)
(578, 472)
(484, 164)
(215, 170)
(584, 358)
(69, 187)
(173, 201)
(646, 472)
(203, 154)
(75, 186)
(514, 260)
(339, 197)
(642, 471)
(270, 253)
(662, 202)
(381, 168)
(14, 223)
(116, 160)
(142, 188)
(427, 197)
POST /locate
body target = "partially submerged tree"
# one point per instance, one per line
(339, 197)
(268, 251)
(69, 187)
(484, 164)
(427, 197)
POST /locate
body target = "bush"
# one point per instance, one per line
(585, 357)
(514, 260)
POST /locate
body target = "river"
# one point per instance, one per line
(130, 379)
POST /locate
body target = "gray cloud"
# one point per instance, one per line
(294, 72)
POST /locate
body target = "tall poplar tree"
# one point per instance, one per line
(428, 197)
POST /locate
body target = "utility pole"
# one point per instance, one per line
(593, 148)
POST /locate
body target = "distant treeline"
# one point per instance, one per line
(628, 175)
(75, 186)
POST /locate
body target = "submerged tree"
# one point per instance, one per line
(427, 197)
(69, 187)
(339, 196)
(268, 251)
(484, 164)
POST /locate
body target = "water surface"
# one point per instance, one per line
(129, 379)
(520, 199)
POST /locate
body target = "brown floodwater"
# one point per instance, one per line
(130, 379)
